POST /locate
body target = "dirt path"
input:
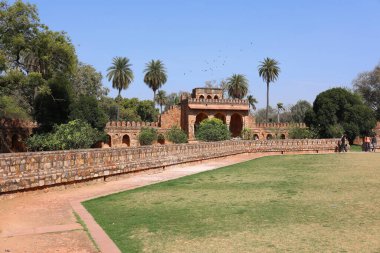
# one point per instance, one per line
(43, 221)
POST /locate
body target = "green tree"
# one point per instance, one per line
(86, 108)
(88, 82)
(237, 86)
(176, 135)
(252, 102)
(367, 84)
(9, 108)
(147, 111)
(299, 110)
(338, 110)
(161, 98)
(120, 73)
(213, 130)
(51, 109)
(280, 107)
(155, 75)
(301, 133)
(147, 136)
(269, 71)
(73, 135)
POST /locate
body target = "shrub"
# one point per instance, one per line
(74, 135)
(301, 133)
(213, 130)
(176, 135)
(147, 136)
(247, 134)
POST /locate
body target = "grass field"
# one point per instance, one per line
(305, 203)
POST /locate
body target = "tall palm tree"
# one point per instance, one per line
(120, 73)
(252, 102)
(269, 71)
(155, 75)
(237, 86)
(161, 98)
(280, 107)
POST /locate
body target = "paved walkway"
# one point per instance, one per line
(43, 221)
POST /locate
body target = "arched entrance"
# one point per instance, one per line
(126, 140)
(108, 141)
(282, 136)
(220, 116)
(236, 124)
(200, 117)
(216, 97)
(209, 97)
(255, 137)
(201, 97)
(269, 137)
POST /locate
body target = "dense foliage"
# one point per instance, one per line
(176, 135)
(213, 130)
(87, 109)
(73, 135)
(237, 86)
(338, 110)
(147, 136)
(367, 84)
(301, 133)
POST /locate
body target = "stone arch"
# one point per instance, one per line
(256, 137)
(108, 140)
(201, 97)
(126, 140)
(216, 97)
(209, 97)
(220, 116)
(236, 124)
(161, 139)
(269, 137)
(282, 136)
(198, 119)
(17, 145)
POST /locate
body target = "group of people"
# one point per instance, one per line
(370, 143)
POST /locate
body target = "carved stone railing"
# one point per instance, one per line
(279, 125)
(218, 101)
(130, 124)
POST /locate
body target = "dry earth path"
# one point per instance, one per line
(43, 221)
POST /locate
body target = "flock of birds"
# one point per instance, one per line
(217, 63)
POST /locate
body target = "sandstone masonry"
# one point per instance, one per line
(24, 171)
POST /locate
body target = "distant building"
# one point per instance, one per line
(204, 103)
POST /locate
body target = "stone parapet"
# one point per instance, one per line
(130, 124)
(218, 101)
(278, 125)
(24, 171)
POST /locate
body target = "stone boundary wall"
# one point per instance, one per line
(23, 171)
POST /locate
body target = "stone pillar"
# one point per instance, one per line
(228, 121)
(191, 122)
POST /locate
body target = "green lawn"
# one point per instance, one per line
(306, 203)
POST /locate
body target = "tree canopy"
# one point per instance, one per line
(339, 110)
(237, 86)
(367, 84)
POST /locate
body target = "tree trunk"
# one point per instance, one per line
(266, 114)
(278, 116)
(154, 96)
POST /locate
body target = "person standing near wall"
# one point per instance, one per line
(367, 144)
(374, 142)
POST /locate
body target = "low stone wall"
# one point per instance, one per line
(23, 171)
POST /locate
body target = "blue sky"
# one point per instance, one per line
(319, 44)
